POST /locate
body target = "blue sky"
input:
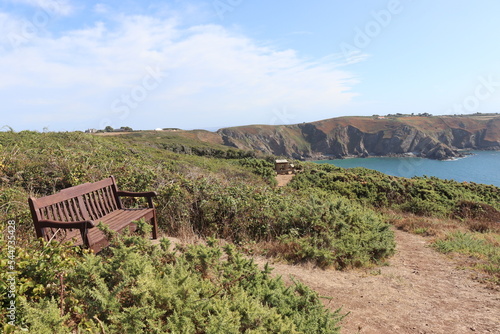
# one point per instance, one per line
(72, 64)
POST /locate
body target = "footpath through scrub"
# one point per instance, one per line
(284, 179)
(420, 291)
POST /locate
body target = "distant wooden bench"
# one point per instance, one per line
(73, 213)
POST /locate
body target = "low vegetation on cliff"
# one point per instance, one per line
(330, 217)
(204, 191)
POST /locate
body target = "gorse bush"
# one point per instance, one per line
(346, 233)
(261, 167)
(135, 287)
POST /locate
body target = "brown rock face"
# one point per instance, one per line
(429, 137)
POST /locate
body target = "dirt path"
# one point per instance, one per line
(284, 179)
(420, 291)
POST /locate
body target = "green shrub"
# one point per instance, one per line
(230, 199)
(339, 233)
(419, 195)
(135, 287)
(261, 167)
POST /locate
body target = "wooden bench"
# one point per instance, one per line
(73, 213)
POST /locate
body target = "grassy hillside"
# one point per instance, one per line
(330, 217)
(205, 191)
(232, 198)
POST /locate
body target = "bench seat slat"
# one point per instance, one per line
(116, 221)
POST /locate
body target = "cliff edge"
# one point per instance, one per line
(434, 137)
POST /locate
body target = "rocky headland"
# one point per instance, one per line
(433, 137)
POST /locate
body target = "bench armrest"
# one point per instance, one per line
(147, 194)
(82, 225)
(134, 194)
(60, 224)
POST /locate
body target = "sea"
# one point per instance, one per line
(476, 166)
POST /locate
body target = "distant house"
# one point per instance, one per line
(381, 117)
(284, 167)
(91, 131)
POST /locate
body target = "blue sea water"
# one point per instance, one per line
(480, 167)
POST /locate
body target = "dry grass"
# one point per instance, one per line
(487, 220)
(483, 226)
(281, 251)
(476, 211)
(187, 235)
(426, 226)
(365, 124)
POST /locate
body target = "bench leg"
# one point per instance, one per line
(155, 226)
(85, 237)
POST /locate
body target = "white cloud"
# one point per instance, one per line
(8, 25)
(211, 77)
(101, 8)
(61, 7)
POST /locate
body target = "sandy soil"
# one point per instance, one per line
(284, 179)
(420, 291)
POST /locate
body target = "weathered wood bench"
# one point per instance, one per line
(73, 213)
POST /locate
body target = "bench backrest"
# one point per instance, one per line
(89, 201)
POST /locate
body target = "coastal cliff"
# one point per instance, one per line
(434, 137)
